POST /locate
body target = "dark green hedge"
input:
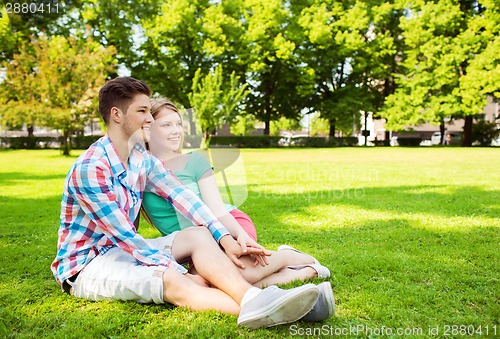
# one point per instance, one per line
(77, 142)
(83, 142)
(325, 142)
(261, 141)
(271, 141)
(409, 141)
(30, 142)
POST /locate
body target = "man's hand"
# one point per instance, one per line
(234, 250)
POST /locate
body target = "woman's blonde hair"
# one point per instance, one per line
(157, 104)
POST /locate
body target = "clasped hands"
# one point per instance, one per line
(241, 245)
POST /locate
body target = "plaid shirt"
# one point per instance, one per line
(101, 199)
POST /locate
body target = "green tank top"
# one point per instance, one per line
(161, 213)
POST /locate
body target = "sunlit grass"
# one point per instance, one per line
(411, 236)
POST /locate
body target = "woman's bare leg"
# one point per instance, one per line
(275, 272)
(286, 275)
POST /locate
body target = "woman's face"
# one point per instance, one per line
(166, 132)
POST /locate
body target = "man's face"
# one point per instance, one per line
(138, 119)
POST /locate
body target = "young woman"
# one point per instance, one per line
(194, 170)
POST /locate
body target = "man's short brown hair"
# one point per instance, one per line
(119, 93)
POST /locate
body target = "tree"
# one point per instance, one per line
(284, 124)
(243, 124)
(335, 49)
(446, 41)
(273, 71)
(17, 26)
(54, 82)
(173, 50)
(318, 125)
(8, 38)
(214, 100)
(484, 132)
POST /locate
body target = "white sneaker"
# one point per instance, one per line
(275, 306)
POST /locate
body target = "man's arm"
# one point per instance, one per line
(163, 183)
(91, 186)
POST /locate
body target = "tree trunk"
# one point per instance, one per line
(332, 129)
(467, 138)
(205, 142)
(31, 130)
(267, 127)
(65, 144)
(442, 130)
(31, 142)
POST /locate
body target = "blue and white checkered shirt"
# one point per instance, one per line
(102, 198)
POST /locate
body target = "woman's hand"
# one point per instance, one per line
(234, 250)
(246, 242)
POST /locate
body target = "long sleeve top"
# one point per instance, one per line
(102, 198)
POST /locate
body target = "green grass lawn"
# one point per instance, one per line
(411, 235)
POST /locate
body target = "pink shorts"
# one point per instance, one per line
(245, 222)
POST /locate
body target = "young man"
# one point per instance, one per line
(101, 256)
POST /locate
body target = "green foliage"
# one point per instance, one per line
(451, 62)
(484, 132)
(19, 26)
(319, 125)
(284, 124)
(214, 101)
(8, 38)
(409, 62)
(350, 49)
(54, 82)
(243, 125)
(276, 78)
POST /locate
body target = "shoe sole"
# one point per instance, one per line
(285, 310)
(326, 295)
(330, 299)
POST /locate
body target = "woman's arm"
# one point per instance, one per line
(211, 196)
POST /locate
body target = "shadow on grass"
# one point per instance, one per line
(424, 199)
(13, 178)
(396, 264)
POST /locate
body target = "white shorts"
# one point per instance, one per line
(118, 275)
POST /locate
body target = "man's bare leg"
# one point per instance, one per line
(181, 291)
(258, 308)
(211, 263)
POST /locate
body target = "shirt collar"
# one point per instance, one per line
(136, 156)
(114, 160)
